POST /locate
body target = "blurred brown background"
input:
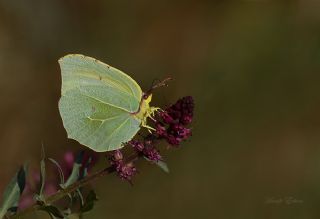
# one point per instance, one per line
(253, 68)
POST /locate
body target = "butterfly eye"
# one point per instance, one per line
(145, 96)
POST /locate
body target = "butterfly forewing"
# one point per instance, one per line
(97, 102)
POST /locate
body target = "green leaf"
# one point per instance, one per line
(74, 176)
(78, 192)
(67, 212)
(100, 106)
(163, 166)
(42, 173)
(73, 216)
(21, 178)
(89, 203)
(160, 164)
(79, 157)
(85, 168)
(59, 169)
(52, 211)
(70, 196)
(13, 191)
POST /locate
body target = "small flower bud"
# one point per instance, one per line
(117, 156)
(161, 129)
(124, 171)
(127, 171)
(152, 154)
(173, 140)
(182, 110)
(138, 145)
(166, 118)
(186, 119)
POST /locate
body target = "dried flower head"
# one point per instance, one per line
(152, 153)
(172, 122)
(124, 170)
(182, 110)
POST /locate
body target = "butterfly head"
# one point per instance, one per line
(147, 98)
(146, 111)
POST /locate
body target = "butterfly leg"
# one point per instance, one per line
(152, 111)
(144, 124)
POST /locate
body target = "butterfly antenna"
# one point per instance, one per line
(154, 82)
(158, 83)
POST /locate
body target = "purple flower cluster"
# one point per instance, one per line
(125, 170)
(146, 149)
(172, 123)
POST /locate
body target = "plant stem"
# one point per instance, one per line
(71, 188)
